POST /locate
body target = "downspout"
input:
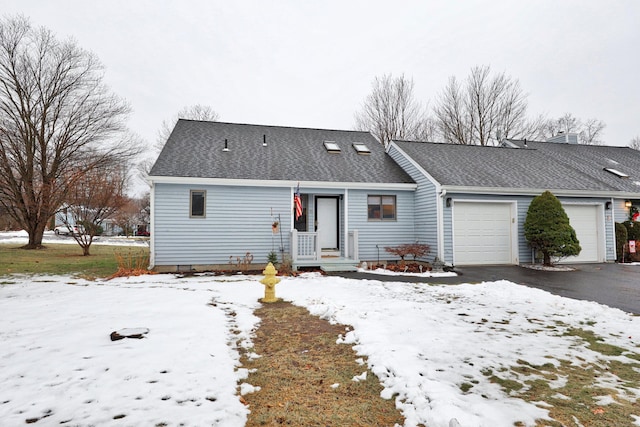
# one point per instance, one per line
(345, 246)
(292, 209)
(292, 216)
(152, 230)
(613, 228)
(440, 221)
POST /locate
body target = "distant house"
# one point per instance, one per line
(471, 201)
(63, 216)
(218, 188)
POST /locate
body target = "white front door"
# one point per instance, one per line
(327, 223)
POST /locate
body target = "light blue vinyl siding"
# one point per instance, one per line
(375, 235)
(621, 212)
(371, 233)
(525, 254)
(238, 220)
(426, 219)
(522, 207)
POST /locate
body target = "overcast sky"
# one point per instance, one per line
(311, 64)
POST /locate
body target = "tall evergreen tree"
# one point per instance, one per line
(547, 228)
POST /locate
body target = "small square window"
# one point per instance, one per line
(198, 199)
(381, 208)
(331, 146)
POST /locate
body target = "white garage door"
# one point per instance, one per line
(482, 233)
(584, 219)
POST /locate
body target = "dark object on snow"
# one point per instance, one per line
(129, 333)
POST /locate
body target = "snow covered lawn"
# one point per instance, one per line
(58, 364)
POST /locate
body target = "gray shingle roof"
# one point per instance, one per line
(195, 149)
(593, 159)
(540, 165)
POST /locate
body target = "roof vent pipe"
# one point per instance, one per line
(226, 145)
(264, 140)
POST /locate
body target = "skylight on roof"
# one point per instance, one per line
(613, 162)
(617, 173)
(361, 148)
(332, 147)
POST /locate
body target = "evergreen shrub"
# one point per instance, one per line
(621, 240)
(547, 229)
(633, 230)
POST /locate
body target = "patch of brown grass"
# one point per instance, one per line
(68, 259)
(580, 393)
(300, 362)
(127, 272)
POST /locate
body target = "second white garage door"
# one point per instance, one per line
(482, 233)
(584, 219)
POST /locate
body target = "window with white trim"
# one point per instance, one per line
(197, 203)
(381, 208)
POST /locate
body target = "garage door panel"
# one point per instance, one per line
(584, 220)
(482, 233)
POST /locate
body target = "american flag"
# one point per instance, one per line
(297, 203)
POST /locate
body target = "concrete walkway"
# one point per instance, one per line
(615, 285)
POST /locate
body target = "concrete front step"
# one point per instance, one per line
(329, 264)
(333, 268)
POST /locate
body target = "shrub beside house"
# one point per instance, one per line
(548, 230)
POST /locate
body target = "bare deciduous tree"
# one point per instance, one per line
(483, 110)
(98, 195)
(635, 143)
(127, 217)
(391, 112)
(426, 129)
(57, 122)
(144, 209)
(567, 123)
(589, 131)
(193, 112)
(134, 216)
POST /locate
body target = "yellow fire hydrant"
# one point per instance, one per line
(270, 281)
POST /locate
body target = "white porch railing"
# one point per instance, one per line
(305, 246)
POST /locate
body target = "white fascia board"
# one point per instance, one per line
(538, 191)
(282, 183)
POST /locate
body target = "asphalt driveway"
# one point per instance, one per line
(615, 285)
